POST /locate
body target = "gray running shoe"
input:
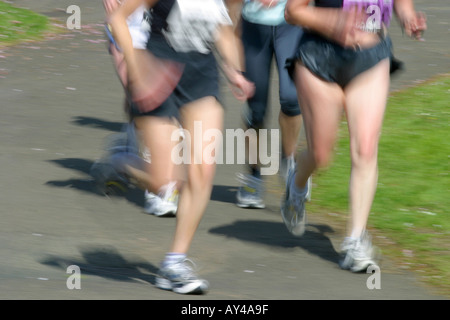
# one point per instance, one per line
(286, 164)
(293, 209)
(107, 179)
(250, 193)
(358, 254)
(180, 277)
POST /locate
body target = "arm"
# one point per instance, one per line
(230, 49)
(413, 23)
(118, 22)
(232, 63)
(332, 23)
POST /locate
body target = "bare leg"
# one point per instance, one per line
(156, 134)
(196, 191)
(290, 130)
(322, 105)
(366, 98)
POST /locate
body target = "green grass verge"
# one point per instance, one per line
(411, 205)
(17, 25)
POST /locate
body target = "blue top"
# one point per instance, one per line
(253, 11)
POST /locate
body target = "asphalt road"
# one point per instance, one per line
(60, 98)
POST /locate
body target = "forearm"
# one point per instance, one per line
(404, 9)
(228, 46)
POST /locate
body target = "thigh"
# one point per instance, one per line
(202, 121)
(365, 104)
(322, 105)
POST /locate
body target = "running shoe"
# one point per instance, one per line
(286, 164)
(180, 277)
(250, 194)
(165, 206)
(108, 180)
(293, 208)
(358, 254)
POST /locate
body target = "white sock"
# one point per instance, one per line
(356, 234)
(173, 257)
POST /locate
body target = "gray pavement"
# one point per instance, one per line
(60, 98)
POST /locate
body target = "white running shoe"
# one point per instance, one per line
(165, 203)
(250, 193)
(155, 205)
(180, 277)
(286, 164)
(293, 208)
(358, 254)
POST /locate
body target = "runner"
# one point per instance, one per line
(127, 142)
(179, 61)
(265, 36)
(342, 65)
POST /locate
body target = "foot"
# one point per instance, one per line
(180, 277)
(358, 254)
(293, 208)
(249, 194)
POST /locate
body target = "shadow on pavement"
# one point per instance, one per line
(274, 234)
(98, 123)
(106, 262)
(225, 194)
(133, 195)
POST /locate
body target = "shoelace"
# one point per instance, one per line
(361, 248)
(184, 269)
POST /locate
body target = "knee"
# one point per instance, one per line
(365, 153)
(201, 176)
(290, 110)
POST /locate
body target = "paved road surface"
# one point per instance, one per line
(60, 99)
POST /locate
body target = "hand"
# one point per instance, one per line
(110, 6)
(241, 88)
(345, 26)
(415, 25)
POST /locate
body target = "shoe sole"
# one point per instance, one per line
(194, 287)
(251, 205)
(170, 213)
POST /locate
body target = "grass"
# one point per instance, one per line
(411, 206)
(17, 25)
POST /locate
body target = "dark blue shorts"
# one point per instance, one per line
(200, 79)
(334, 63)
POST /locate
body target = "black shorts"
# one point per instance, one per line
(200, 79)
(334, 63)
